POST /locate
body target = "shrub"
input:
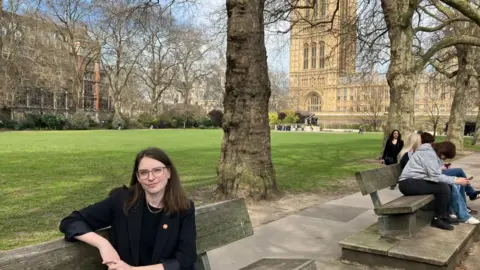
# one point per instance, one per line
(147, 119)
(134, 124)
(205, 122)
(290, 118)
(118, 121)
(8, 123)
(79, 121)
(26, 123)
(273, 118)
(53, 121)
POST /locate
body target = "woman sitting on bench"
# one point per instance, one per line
(152, 222)
(422, 176)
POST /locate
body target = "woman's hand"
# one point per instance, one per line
(108, 253)
(118, 265)
(382, 161)
(461, 181)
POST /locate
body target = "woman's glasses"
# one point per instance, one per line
(157, 172)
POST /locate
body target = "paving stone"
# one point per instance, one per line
(333, 212)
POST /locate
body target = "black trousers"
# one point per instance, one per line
(441, 191)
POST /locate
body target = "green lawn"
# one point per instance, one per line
(45, 175)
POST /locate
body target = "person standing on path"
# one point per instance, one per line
(393, 146)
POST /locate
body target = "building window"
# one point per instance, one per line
(345, 94)
(314, 55)
(323, 7)
(321, 51)
(339, 92)
(88, 95)
(305, 56)
(313, 101)
(315, 9)
(61, 99)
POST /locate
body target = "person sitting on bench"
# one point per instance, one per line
(422, 176)
(412, 143)
(458, 203)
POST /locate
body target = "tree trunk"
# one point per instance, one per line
(245, 159)
(117, 107)
(401, 75)
(477, 126)
(458, 111)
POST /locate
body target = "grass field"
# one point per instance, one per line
(45, 175)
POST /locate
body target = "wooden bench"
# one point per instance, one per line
(401, 217)
(218, 224)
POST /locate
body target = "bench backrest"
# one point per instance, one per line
(373, 180)
(218, 224)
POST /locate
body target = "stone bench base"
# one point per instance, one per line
(284, 264)
(431, 248)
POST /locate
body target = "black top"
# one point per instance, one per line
(131, 234)
(391, 151)
(404, 160)
(151, 224)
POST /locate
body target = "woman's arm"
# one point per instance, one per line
(89, 219)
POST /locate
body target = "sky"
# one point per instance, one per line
(277, 45)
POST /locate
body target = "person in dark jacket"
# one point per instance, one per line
(393, 146)
(152, 221)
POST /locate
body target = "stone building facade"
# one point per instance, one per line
(324, 80)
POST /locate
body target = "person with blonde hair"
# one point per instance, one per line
(412, 142)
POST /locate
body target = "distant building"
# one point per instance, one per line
(324, 80)
(36, 76)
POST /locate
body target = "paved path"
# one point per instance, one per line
(315, 232)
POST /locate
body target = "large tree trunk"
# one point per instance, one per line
(401, 75)
(245, 160)
(458, 111)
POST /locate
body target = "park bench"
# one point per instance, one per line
(401, 217)
(218, 224)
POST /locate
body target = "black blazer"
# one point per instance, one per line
(175, 246)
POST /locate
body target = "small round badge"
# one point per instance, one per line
(165, 226)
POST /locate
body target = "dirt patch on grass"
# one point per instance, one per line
(284, 204)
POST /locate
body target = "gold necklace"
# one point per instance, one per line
(153, 212)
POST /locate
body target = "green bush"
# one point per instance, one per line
(79, 121)
(6, 122)
(134, 124)
(147, 119)
(205, 122)
(26, 123)
(118, 121)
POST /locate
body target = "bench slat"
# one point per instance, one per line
(377, 179)
(217, 225)
(404, 205)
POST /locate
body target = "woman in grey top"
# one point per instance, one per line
(423, 175)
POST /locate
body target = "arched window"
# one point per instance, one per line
(314, 55)
(305, 56)
(321, 52)
(323, 7)
(315, 9)
(313, 103)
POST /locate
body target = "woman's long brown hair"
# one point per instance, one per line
(175, 198)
